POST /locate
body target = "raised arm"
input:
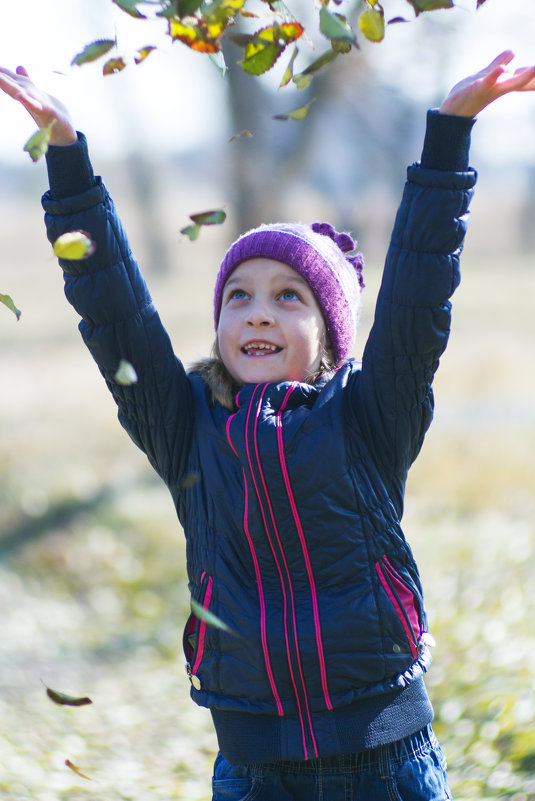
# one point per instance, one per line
(392, 397)
(119, 321)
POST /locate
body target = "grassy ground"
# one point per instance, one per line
(92, 583)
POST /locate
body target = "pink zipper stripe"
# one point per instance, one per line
(280, 710)
(405, 596)
(229, 421)
(202, 625)
(278, 702)
(398, 609)
(297, 520)
(281, 578)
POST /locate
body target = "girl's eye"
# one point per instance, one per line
(237, 294)
(289, 294)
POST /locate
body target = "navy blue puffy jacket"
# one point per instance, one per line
(291, 506)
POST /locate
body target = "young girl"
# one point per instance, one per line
(287, 463)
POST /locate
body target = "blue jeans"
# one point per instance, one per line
(413, 769)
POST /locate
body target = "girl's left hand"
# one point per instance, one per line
(471, 95)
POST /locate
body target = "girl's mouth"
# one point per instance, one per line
(260, 349)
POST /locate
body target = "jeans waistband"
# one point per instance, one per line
(358, 762)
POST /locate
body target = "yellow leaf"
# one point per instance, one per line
(37, 145)
(142, 53)
(74, 245)
(297, 113)
(372, 24)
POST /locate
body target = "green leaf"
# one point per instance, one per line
(303, 79)
(93, 51)
(209, 217)
(125, 374)
(429, 5)
(297, 113)
(66, 700)
(215, 217)
(74, 246)
(37, 145)
(130, 6)
(335, 27)
(289, 71)
(209, 618)
(7, 301)
(191, 231)
(267, 44)
(186, 8)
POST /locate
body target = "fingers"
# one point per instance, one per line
(504, 58)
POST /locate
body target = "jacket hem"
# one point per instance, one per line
(245, 737)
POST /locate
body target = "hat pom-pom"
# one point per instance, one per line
(346, 244)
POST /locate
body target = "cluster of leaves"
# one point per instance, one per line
(201, 26)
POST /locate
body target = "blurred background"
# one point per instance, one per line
(93, 593)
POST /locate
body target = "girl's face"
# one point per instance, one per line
(271, 328)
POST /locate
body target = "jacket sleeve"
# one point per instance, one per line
(391, 399)
(119, 321)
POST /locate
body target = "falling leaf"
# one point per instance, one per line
(289, 71)
(429, 5)
(215, 217)
(7, 301)
(209, 618)
(335, 27)
(37, 145)
(142, 53)
(66, 700)
(191, 231)
(126, 374)
(130, 6)
(242, 134)
(77, 770)
(93, 51)
(267, 44)
(372, 24)
(303, 79)
(209, 217)
(74, 246)
(297, 113)
(113, 66)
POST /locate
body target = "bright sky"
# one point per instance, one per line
(176, 97)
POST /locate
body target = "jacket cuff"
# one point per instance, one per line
(69, 169)
(447, 142)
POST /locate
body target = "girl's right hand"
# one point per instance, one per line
(43, 107)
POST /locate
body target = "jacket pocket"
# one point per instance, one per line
(404, 600)
(195, 633)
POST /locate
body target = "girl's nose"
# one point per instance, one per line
(260, 315)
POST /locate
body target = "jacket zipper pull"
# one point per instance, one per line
(195, 680)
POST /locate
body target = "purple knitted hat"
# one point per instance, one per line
(318, 254)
